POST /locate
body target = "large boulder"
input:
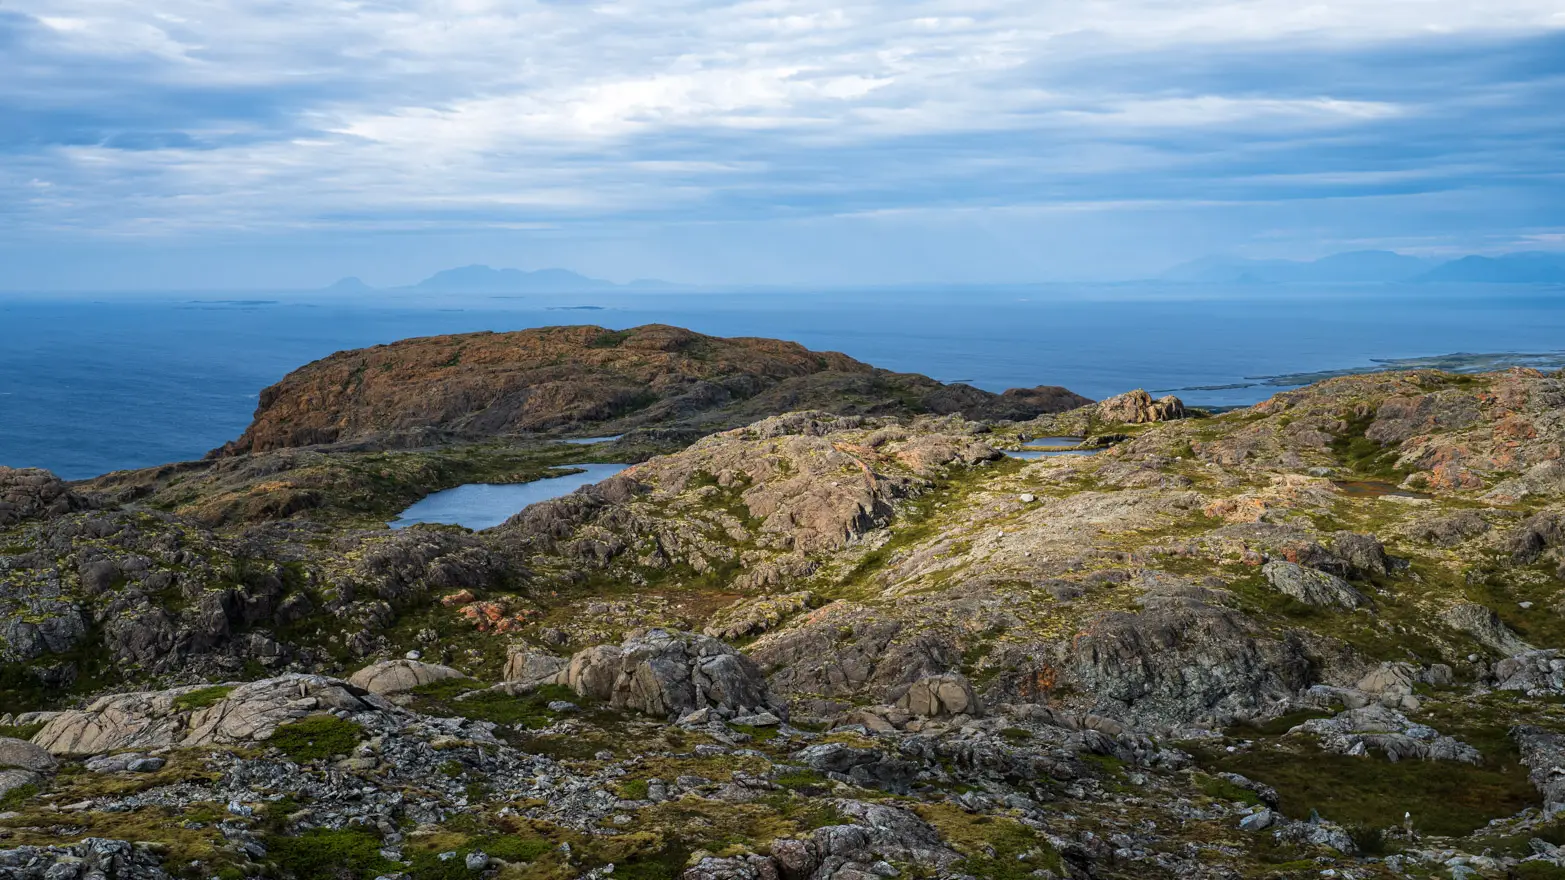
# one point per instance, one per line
(936, 696)
(1485, 626)
(666, 673)
(528, 666)
(1537, 673)
(13, 779)
(22, 755)
(26, 493)
(397, 676)
(1137, 407)
(1312, 587)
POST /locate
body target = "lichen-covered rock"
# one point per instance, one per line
(664, 673)
(1485, 626)
(1543, 751)
(1312, 587)
(91, 859)
(751, 617)
(398, 676)
(1183, 660)
(249, 713)
(1386, 730)
(28, 493)
(1536, 673)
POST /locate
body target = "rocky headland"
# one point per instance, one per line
(828, 625)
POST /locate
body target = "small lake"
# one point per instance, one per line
(1030, 454)
(589, 441)
(1038, 442)
(486, 505)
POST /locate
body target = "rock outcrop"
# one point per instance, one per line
(27, 493)
(1137, 407)
(939, 696)
(582, 379)
(667, 674)
(1313, 587)
(250, 713)
(1486, 627)
(399, 676)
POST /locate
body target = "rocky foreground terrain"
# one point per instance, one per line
(829, 625)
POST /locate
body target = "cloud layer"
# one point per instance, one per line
(176, 121)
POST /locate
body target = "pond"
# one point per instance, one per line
(588, 441)
(1045, 442)
(486, 505)
(1030, 454)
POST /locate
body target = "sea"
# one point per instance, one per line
(91, 383)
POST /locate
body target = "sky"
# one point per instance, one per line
(248, 144)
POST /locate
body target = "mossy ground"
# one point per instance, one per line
(316, 738)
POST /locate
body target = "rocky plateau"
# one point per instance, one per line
(827, 625)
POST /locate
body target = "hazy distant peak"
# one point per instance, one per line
(1521, 268)
(350, 284)
(480, 278)
(1350, 266)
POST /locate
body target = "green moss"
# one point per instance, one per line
(1363, 455)
(347, 854)
(760, 734)
(203, 698)
(18, 796)
(527, 711)
(21, 731)
(1444, 797)
(634, 789)
(995, 847)
(1223, 790)
(317, 737)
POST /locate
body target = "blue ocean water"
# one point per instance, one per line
(92, 384)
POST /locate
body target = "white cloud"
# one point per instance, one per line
(584, 109)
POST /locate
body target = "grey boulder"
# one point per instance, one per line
(1312, 587)
(666, 673)
(398, 676)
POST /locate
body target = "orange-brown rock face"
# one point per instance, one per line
(570, 379)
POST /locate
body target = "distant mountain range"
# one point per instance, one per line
(482, 279)
(1374, 266)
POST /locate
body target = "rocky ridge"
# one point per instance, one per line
(1319, 635)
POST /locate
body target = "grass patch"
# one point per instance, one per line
(18, 796)
(21, 731)
(995, 847)
(347, 854)
(1445, 798)
(1363, 455)
(1221, 789)
(201, 699)
(526, 711)
(317, 737)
